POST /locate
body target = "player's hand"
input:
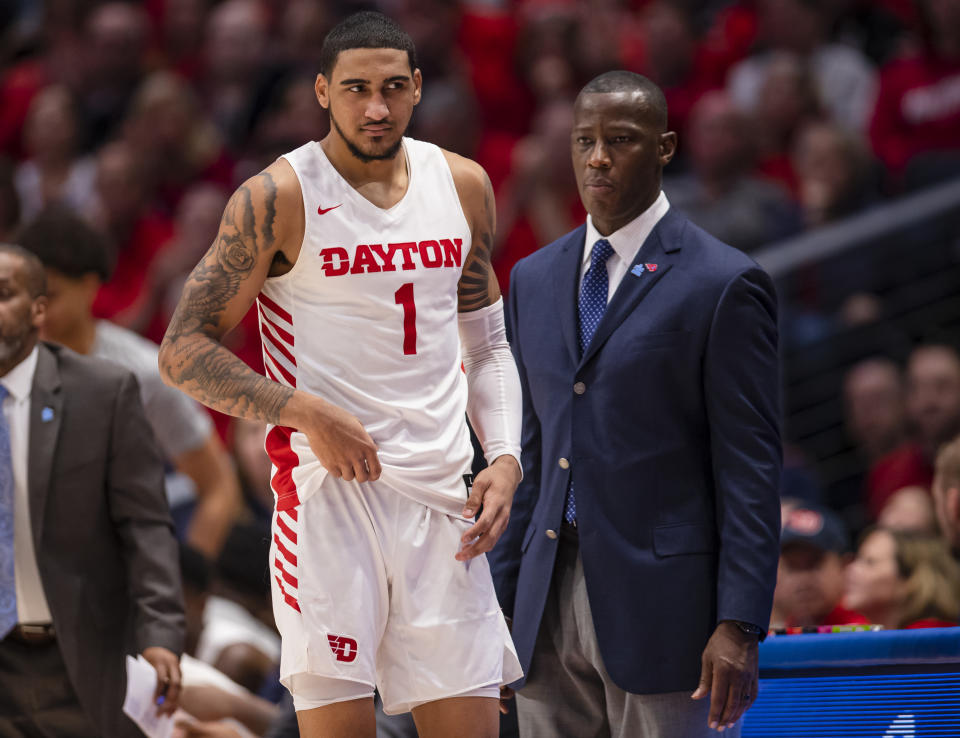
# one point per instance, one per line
(493, 488)
(342, 445)
(729, 674)
(167, 665)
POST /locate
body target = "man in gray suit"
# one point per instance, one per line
(88, 561)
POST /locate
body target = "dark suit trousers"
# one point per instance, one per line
(36, 697)
(569, 693)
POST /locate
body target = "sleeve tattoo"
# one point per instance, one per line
(477, 282)
(191, 355)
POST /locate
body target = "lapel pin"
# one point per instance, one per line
(637, 270)
(651, 267)
(46, 415)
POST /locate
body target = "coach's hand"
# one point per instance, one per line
(167, 664)
(729, 674)
(493, 488)
(342, 444)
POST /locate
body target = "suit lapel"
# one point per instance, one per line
(659, 249)
(46, 405)
(566, 279)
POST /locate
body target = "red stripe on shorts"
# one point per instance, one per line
(292, 558)
(290, 579)
(287, 530)
(289, 599)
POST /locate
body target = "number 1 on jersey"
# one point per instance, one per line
(404, 297)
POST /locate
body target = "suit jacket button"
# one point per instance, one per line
(551, 534)
(579, 388)
(564, 464)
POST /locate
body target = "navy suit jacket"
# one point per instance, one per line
(672, 442)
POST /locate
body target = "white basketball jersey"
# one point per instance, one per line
(367, 319)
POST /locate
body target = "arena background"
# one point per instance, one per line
(820, 136)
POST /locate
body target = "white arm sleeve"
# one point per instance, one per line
(493, 384)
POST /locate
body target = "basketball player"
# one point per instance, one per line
(368, 255)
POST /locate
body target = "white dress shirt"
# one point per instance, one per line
(626, 242)
(31, 602)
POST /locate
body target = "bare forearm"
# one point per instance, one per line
(219, 499)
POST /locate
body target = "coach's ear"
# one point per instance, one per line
(322, 88)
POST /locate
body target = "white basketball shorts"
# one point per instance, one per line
(367, 592)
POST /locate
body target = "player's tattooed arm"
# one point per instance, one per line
(217, 295)
(478, 283)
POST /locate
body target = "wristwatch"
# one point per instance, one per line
(749, 628)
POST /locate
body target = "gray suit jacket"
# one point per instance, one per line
(101, 527)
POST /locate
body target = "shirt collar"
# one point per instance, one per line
(626, 241)
(19, 380)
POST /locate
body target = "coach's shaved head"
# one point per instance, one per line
(621, 80)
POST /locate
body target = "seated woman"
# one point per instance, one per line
(902, 580)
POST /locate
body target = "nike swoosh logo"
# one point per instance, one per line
(322, 210)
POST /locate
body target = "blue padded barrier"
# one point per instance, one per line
(886, 684)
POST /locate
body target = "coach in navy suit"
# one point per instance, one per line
(641, 556)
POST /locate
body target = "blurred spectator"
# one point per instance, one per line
(909, 510)
(433, 25)
(302, 24)
(489, 38)
(136, 230)
(916, 121)
(208, 695)
(873, 398)
(253, 466)
(672, 56)
(238, 635)
(235, 58)
(9, 202)
(448, 117)
(719, 195)
(176, 143)
(835, 173)
(195, 573)
(787, 101)
(798, 480)
(115, 48)
(288, 119)
(933, 416)
(195, 226)
(54, 173)
(904, 581)
(76, 260)
(551, 32)
(814, 551)
(844, 80)
(181, 35)
(946, 494)
(539, 201)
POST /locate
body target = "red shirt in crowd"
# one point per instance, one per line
(150, 234)
(930, 623)
(905, 466)
(917, 110)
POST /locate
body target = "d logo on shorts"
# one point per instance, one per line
(344, 648)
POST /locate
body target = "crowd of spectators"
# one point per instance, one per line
(141, 117)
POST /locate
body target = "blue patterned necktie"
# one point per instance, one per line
(593, 304)
(8, 582)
